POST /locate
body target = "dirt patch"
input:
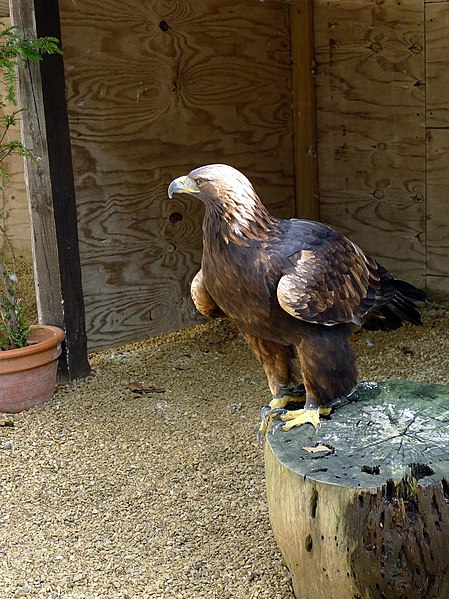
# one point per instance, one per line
(145, 480)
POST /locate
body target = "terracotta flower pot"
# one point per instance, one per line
(28, 374)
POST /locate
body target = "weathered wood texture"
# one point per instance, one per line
(38, 180)
(437, 121)
(371, 127)
(73, 362)
(438, 202)
(155, 89)
(437, 57)
(367, 518)
(50, 189)
(303, 78)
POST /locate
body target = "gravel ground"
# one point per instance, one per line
(145, 480)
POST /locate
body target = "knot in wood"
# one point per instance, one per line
(175, 217)
(376, 47)
(415, 48)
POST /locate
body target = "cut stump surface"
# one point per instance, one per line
(360, 508)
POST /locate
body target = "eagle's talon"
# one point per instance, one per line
(275, 427)
(263, 412)
(267, 413)
(277, 412)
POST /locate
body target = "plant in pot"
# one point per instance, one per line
(28, 353)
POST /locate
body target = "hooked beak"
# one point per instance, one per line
(182, 185)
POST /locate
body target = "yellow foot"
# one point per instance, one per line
(277, 407)
(305, 416)
(293, 395)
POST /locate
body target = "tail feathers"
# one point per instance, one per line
(410, 291)
(399, 309)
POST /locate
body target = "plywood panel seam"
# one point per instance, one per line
(304, 109)
(426, 149)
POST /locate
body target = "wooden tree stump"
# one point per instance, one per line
(363, 511)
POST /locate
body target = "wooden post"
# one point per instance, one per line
(360, 508)
(50, 188)
(304, 115)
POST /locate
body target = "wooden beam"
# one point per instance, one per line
(303, 81)
(50, 188)
(45, 255)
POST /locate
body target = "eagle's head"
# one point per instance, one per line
(232, 205)
(214, 184)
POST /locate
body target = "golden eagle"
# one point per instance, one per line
(291, 286)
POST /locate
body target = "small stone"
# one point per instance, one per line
(7, 444)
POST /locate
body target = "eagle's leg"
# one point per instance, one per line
(275, 360)
(276, 407)
(329, 373)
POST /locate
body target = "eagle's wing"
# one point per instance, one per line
(331, 281)
(202, 299)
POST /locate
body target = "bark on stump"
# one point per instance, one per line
(366, 514)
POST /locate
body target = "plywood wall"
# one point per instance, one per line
(155, 88)
(382, 93)
(13, 206)
(437, 123)
(371, 135)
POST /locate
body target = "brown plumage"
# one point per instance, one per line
(291, 286)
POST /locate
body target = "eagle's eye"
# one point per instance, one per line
(199, 181)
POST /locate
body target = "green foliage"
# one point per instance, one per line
(14, 324)
(15, 52)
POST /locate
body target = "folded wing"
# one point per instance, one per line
(332, 282)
